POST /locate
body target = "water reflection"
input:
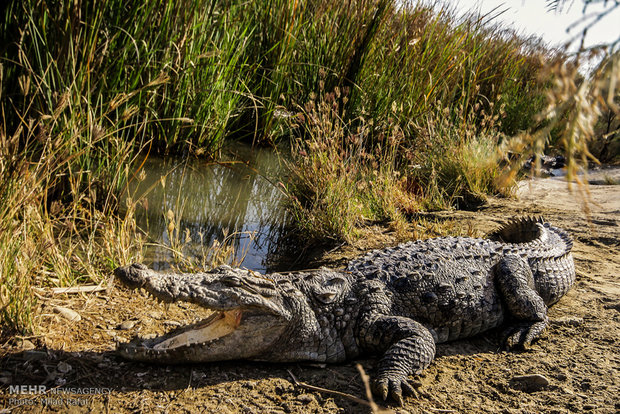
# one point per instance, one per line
(209, 201)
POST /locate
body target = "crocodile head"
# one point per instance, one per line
(255, 317)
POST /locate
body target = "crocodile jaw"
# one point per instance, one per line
(225, 335)
(251, 314)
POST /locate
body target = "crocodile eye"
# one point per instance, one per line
(328, 291)
(335, 281)
(231, 281)
(326, 297)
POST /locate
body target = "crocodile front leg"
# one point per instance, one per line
(516, 284)
(408, 348)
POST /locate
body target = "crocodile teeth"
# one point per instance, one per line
(215, 327)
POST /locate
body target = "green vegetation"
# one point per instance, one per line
(389, 110)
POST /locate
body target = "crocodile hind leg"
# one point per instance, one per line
(516, 284)
(408, 348)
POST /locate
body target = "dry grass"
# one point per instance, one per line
(574, 107)
(350, 172)
(339, 180)
(54, 244)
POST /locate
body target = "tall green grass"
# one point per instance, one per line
(167, 71)
(191, 74)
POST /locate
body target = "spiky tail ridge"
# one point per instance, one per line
(527, 230)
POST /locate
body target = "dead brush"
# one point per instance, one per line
(455, 158)
(59, 246)
(344, 171)
(59, 178)
(574, 105)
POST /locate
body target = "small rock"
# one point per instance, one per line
(63, 367)
(25, 345)
(561, 376)
(306, 398)
(568, 321)
(67, 313)
(529, 383)
(124, 326)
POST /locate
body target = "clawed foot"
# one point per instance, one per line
(394, 387)
(523, 334)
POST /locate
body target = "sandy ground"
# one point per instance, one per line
(578, 356)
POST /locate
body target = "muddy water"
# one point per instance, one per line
(237, 198)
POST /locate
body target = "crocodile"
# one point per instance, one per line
(397, 302)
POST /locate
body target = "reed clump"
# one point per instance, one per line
(339, 181)
(189, 75)
(346, 174)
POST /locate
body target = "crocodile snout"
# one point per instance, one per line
(132, 276)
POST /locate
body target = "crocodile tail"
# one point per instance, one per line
(547, 249)
(566, 238)
(519, 230)
(529, 229)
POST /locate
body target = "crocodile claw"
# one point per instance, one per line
(393, 387)
(523, 334)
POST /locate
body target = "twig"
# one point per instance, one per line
(72, 289)
(328, 391)
(371, 402)
(336, 248)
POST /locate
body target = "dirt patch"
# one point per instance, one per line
(579, 356)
